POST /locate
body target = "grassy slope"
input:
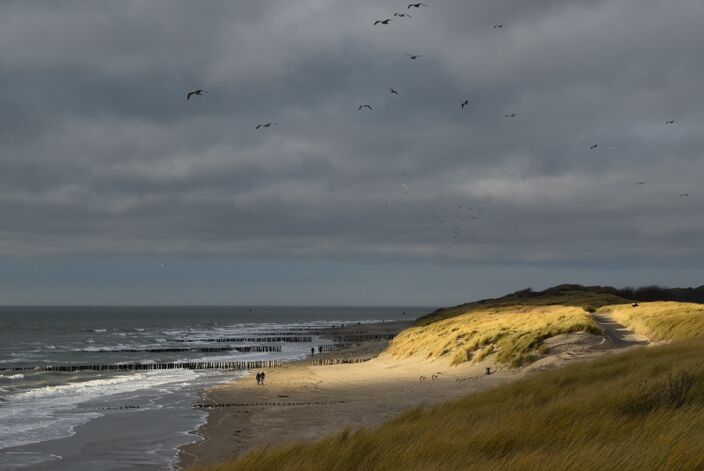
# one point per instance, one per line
(662, 320)
(629, 411)
(513, 326)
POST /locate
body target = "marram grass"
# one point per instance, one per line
(642, 410)
(661, 320)
(514, 332)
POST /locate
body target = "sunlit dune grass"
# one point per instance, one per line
(661, 320)
(513, 327)
(513, 332)
(640, 410)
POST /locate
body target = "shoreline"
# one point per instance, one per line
(303, 402)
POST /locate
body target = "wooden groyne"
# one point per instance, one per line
(266, 339)
(248, 349)
(188, 365)
(326, 331)
(201, 405)
(331, 347)
(339, 361)
(355, 338)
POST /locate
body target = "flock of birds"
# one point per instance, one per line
(456, 218)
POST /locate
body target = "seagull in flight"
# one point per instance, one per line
(594, 147)
(391, 90)
(363, 106)
(684, 195)
(499, 26)
(383, 22)
(266, 125)
(198, 92)
(402, 15)
(413, 56)
(464, 103)
(640, 183)
(416, 5)
(672, 121)
(511, 115)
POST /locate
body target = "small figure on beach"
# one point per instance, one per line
(320, 349)
(259, 378)
(312, 351)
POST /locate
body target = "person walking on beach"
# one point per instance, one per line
(312, 351)
(259, 378)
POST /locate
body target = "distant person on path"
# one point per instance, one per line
(320, 349)
(312, 351)
(259, 378)
(262, 375)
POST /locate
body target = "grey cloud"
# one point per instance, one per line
(100, 151)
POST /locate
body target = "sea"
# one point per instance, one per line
(134, 420)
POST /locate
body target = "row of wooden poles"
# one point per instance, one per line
(338, 361)
(362, 338)
(326, 331)
(248, 349)
(202, 405)
(331, 347)
(189, 365)
(267, 339)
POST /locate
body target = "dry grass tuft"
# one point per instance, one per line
(661, 320)
(580, 417)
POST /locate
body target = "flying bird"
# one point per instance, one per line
(383, 22)
(363, 106)
(391, 90)
(672, 121)
(684, 195)
(594, 147)
(640, 183)
(416, 5)
(266, 125)
(195, 92)
(498, 26)
(511, 115)
(464, 103)
(402, 15)
(413, 56)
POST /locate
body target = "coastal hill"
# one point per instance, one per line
(514, 326)
(636, 408)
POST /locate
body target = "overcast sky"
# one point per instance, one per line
(116, 189)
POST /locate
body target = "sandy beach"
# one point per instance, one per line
(304, 402)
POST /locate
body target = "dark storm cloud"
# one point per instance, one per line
(101, 152)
